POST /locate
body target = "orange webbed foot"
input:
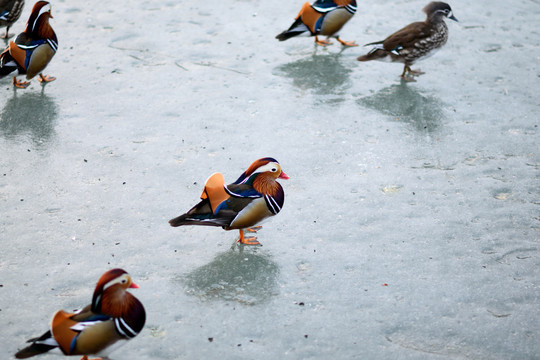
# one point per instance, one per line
(87, 358)
(254, 229)
(20, 84)
(252, 240)
(45, 78)
(322, 42)
(347, 43)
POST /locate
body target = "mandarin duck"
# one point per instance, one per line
(253, 197)
(323, 17)
(10, 11)
(415, 41)
(33, 49)
(113, 317)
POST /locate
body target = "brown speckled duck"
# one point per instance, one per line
(33, 49)
(253, 197)
(415, 41)
(10, 11)
(323, 17)
(113, 317)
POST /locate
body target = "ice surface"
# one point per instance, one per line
(410, 227)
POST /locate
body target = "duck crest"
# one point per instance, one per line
(38, 23)
(252, 168)
(105, 289)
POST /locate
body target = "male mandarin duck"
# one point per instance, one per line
(323, 17)
(415, 41)
(10, 11)
(255, 196)
(113, 317)
(33, 49)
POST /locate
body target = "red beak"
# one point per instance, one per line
(134, 286)
(283, 176)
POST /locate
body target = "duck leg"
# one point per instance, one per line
(20, 84)
(252, 240)
(404, 76)
(45, 78)
(346, 43)
(322, 42)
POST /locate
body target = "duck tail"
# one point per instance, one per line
(5, 58)
(39, 345)
(288, 34)
(297, 28)
(180, 220)
(377, 53)
(199, 219)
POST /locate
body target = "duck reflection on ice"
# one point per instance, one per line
(31, 115)
(246, 277)
(324, 74)
(407, 104)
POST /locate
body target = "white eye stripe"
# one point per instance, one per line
(120, 280)
(445, 11)
(44, 9)
(272, 166)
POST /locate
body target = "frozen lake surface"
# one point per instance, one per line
(411, 221)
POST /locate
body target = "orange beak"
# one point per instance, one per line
(283, 176)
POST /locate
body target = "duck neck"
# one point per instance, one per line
(41, 29)
(116, 302)
(265, 184)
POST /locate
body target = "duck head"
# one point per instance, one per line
(438, 10)
(265, 165)
(110, 296)
(38, 23)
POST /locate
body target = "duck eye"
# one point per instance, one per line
(124, 281)
(273, 170)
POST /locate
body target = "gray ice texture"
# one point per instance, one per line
(411, 222)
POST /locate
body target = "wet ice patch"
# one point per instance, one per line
(241, 276)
